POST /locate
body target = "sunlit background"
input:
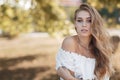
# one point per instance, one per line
(31, 32)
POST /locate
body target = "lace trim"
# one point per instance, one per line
(74, 53)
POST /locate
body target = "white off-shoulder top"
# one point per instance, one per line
(83, 67)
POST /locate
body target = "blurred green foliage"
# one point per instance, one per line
(46, 16)
(50, 17)
(14, 21)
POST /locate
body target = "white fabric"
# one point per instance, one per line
(82, 66)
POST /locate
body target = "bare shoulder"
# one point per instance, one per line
(69, 43)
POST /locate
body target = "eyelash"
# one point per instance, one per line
(81, 21)
(89, 20)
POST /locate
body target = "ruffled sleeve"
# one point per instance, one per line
(64, 59)
(106, 77)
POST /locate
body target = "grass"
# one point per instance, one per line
(33, 58)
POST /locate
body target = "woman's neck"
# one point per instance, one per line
(84, 41)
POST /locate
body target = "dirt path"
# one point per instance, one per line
(33, 58)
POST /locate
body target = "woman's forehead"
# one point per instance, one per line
(83, 14)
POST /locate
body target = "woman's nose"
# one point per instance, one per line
(84, 24)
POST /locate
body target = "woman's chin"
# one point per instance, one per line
(84, 35)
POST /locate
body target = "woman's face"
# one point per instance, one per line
(82, 23)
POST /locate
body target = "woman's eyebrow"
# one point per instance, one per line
(88, 17)
(79, 18)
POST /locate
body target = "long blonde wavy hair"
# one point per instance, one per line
(100, 42)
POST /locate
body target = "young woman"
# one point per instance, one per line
(85, 56)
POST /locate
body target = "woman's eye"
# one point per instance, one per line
(89, 21)
(79, 20)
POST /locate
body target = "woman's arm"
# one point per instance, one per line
(63, 72)
(66, 74)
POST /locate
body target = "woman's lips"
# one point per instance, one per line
(84, 30)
